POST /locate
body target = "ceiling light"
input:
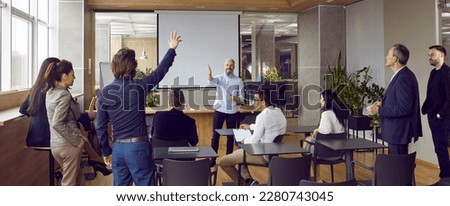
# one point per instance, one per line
(144, 54)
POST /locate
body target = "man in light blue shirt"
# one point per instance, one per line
(229, 93)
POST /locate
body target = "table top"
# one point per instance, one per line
(349, 144)
(301, 128)
(9, 114)
(272, 148)
(204, 152)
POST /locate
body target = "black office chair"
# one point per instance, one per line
(289, 171)
(351, 182)
(391, 170)
(325, 155)
(278, 138)
(155, 142)
(186, 173)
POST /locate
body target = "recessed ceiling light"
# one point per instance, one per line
(329, 1)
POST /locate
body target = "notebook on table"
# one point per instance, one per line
(183, 149)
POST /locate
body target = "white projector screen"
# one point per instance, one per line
(207, 38)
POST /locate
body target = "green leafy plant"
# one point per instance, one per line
(271, 75)
(152, 99)
(354, 88)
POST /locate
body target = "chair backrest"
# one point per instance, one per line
(278, 138)
(394, 170)
(351, 182)
(321, 151)
(289, 171)
(186, 173)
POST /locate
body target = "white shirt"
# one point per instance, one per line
(270, 123)
(226, 87)
(329, 123)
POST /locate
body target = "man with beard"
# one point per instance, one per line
(437, 106)
(229, 93)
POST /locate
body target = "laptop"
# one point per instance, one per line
(183, 149)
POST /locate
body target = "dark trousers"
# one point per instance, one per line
(219, 119)
(440, 132)
(398, 149)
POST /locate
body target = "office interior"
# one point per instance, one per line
(80, 31)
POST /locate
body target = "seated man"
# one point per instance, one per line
(248, 115)
(174, 125)
(269, 124)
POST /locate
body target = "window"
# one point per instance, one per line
(258, 32)
(25, 28)
(20, 53)
(22, 5)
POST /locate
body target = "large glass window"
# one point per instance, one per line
(43, 10)
(21, 55)
(23, 5)
(25, 28)
(269, 41)
(42, 44)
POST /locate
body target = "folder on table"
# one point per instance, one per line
(240, 134)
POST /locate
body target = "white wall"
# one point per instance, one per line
(373, 26)
(365, 38)
(414, 25)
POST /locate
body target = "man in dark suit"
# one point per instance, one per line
(437, 106)
(174, 125)
(400, 108)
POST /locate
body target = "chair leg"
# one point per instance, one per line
(315, 170)
(332, 173)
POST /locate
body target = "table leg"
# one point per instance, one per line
(350, 170)
(51, 169)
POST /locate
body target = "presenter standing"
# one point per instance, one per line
(229, 93)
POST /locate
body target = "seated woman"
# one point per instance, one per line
(332, 117)
(174, 125)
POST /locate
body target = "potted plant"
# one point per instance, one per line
(152, 99)
(355, 91)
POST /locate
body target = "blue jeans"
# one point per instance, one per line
(132, 162)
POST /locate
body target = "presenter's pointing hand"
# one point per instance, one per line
(209, 70)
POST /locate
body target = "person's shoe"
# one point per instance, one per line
(251, 182)
(105, 171)
(94, 162)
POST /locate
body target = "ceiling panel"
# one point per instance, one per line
(223, 5)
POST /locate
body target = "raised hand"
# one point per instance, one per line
(209, 70)
(174, 40)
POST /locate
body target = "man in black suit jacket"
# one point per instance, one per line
(437, 106)
(400, 108)
(174, 124)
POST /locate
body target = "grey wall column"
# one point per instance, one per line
(263, 48)
(70, 39)
(321, 36)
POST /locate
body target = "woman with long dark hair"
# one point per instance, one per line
(332, 116)
(66, 140)
(39, 130)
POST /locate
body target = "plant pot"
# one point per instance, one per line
(359, 122)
